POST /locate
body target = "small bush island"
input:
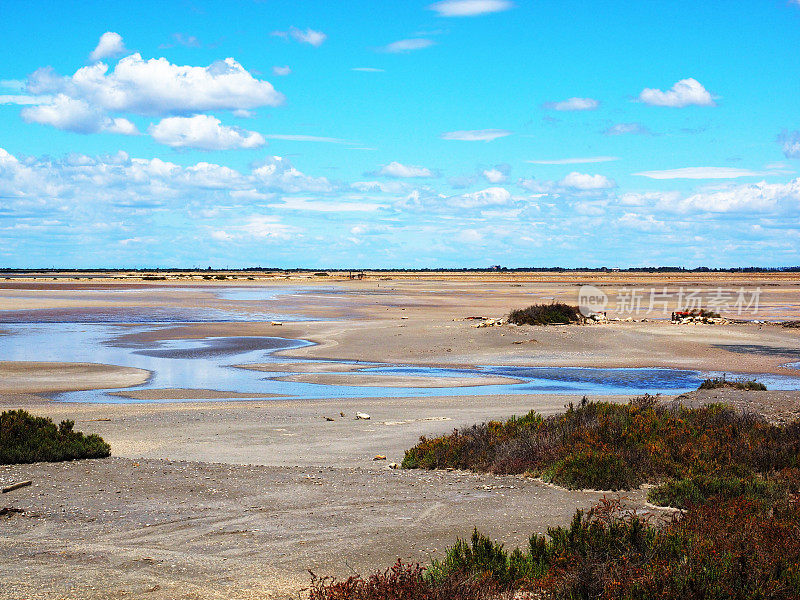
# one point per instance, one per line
(545, 314)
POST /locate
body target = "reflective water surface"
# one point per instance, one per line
(207, 364)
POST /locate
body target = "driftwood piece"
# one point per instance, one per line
(16, 486)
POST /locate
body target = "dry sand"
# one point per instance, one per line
(225, 499)
(45, 377)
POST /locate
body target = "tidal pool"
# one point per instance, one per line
(207, 364)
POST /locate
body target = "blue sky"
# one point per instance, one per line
(410, 134)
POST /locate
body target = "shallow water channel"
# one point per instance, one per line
(207, 364)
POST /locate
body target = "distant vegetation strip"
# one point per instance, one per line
(25, 438)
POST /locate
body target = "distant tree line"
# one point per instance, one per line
(794, 269)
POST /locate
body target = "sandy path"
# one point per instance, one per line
(225, 531)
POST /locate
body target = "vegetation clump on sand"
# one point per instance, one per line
(25, 438)
(545, 314)
(609, 446)
(735, 476)
(716, 383)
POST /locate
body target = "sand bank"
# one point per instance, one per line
(46, 377)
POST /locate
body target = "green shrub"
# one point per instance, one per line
(591, 469)
(26, 439)
(737, 384)
(602, 445)
(682, 493)
(545, 314)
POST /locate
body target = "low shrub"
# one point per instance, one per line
(545, 314)
(25, 438)
(737, 384)
(725, 548)
(683, 493)
(618, 446)
(403, 582)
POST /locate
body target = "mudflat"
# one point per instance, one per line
(236, 499)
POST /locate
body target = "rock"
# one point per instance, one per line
(341, 414)
(393, 466)
(379, 457)
(363, 416)
(276, 323)
(328, 419)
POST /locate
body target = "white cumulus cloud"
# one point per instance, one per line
(157, 86)
(78, 116)
(203, 132)
(493, 196)
(494, 175)
(396, 169)
(470, 8)
(110, 44)
(758, 197)
(584, 181)
(687, 92)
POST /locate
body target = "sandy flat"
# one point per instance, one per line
(43, 377)
(404, 381)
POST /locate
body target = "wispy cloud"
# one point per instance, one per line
(476, 135)
(281, 71)
(574, 161)
(305, 138)
(368, 69)
(573, 104)
(789, 141)
(182, 39)
(469, 8)
(701, 173)
(627, 129)
(408, 45)
(304, 36)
